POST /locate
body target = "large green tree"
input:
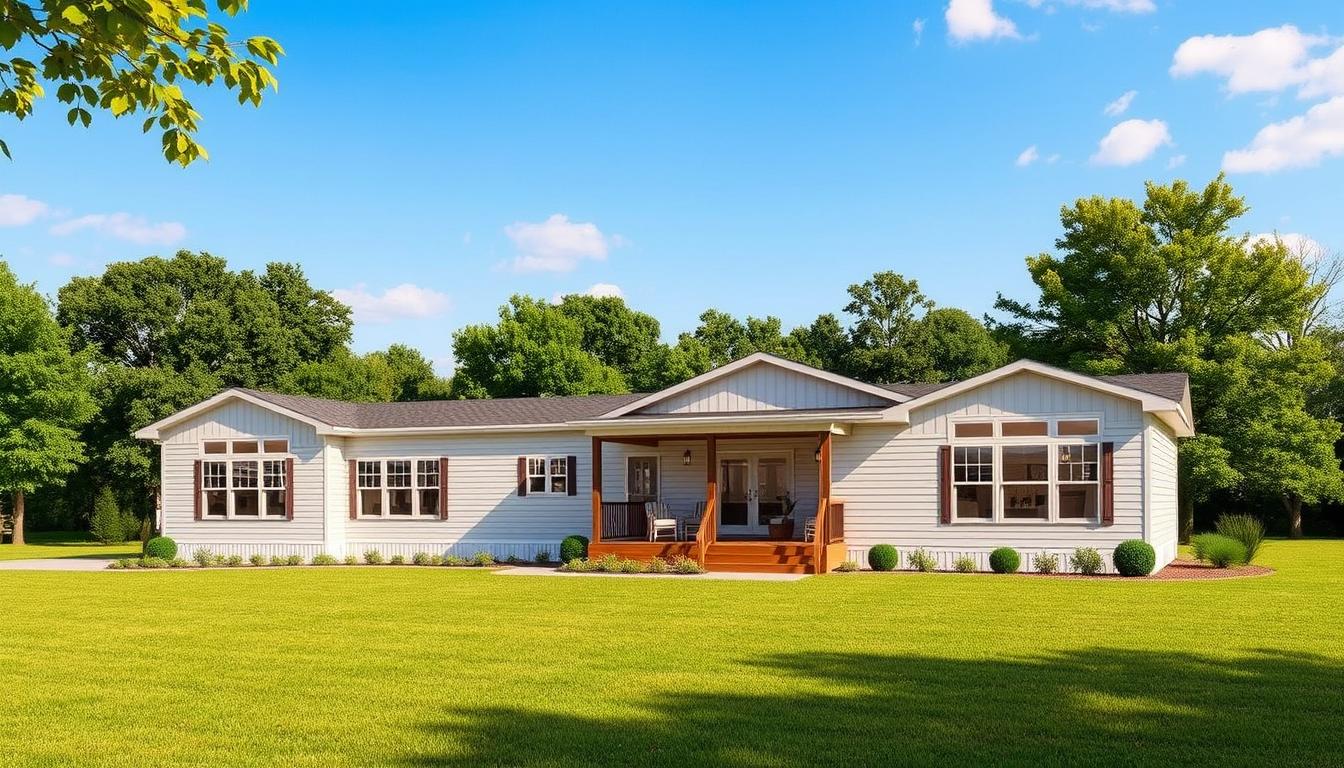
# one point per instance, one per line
(398, 374)
(44, 396)
(129, 58)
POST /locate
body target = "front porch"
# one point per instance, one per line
(721, 497)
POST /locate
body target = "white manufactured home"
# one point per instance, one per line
(762, 464)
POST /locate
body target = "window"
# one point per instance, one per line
(1079, 482)
(273, 481)
(275, 446)
(973, 481)
(1026, 482)
(559, 476)
(641, 478)
(548, 475)
(246, 499)
(215, 485)
(216, 446)
(244, 446)
(974, 429)
(397, 488)
(245, 489)
(1025, 428)
(1077, 427)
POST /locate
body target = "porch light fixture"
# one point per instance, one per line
(816, 456)
(686, 458)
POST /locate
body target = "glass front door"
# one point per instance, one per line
(752, 490)
(734, 493)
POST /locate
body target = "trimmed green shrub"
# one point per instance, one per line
(373, 557)
(1045, 562)
(105, 525)
(322, 558)
(574, 548)
(482, 558)
(883, 557)
(579, 565)
(964, 564)
(278, 560)
(397, 560)
(203, 557)
(848, 566)
(656, 565)
(543, 556)
(455, 560)
(421, 558)
(294, 560)
(684, 564)
(233, 561)
(1245, 529)
(257, 559)
(178, 562)
(1198, 545)
(922, 561)
(153, 562)
(1087, 561)
(1004, 560)
(351, 560)
(1134, 557)
(123, 563)
(1218, 550)
(161, 546)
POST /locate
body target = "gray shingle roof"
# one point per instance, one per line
(1168, 385)
(519, 411)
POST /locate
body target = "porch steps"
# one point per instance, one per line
(759, 557)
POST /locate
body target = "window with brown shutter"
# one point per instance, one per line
(289, 489)
(196, 507)
(1108, 483)
(945, 484)
(354, 491)
(572, 475)
(443, 488)
(522, 475)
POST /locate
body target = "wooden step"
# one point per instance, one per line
(754, 547)
(756, 557)
(732, 567)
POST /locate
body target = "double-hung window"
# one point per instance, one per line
(548, 475)
(973, 479)
(244, 480)
(397, 488)
(1025, 469)
(1079, 481)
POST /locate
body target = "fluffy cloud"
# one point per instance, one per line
(969, 20)
(1269, 60)
(556, 244)
(1117, 6)
(1027, 156)
(18, 210)
(1296, 242)
(1121, 105)
(1131, 142)
(405, 300)
(124, 226)
(1299, 142)
(600, 290)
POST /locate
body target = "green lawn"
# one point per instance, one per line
(418, 667)
(43, 545)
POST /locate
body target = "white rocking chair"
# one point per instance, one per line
(659, 521)
(810, 529)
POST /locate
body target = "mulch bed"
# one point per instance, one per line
(1189, 569)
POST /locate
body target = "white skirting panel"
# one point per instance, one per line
(267, 548)
(945, 557)
(524, 550)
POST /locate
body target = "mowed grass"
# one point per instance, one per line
(62, 545)
(420, 667)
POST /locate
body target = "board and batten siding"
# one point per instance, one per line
(232, 420)
(764, 387)
(888, 476)
(485, 512)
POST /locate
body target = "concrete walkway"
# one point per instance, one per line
(56, 564)
(720, 576)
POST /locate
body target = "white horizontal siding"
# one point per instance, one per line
(1163, 504)
(764, 387)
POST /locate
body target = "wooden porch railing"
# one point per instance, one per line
(624, 520)
(709, 531)
(819, 538)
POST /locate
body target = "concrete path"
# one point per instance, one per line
(56, 564)
(713, 576)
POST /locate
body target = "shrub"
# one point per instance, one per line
(482, 558)
(543, 556)
(632, 566)
(1134, 557)
(105, 525)
(373, 557)
(922, 561)
(131, 527)
(161, 546)
(1004, 560)
(1087, 561)
(580, 565)
(848, 566)
(397, 560)
(153, 562)
(420, 558)
(277, 560)
(436, 559)
(257, 559)
(454, 560)
(322, 558)
(125, 562)
(178, 562)
(513, 559)
(203, 557)
(351, 560)
(964, 564)
(1218, 550)
(574, 548)
(294, 560)
(233, 561)
(883, 557)
(1245, 529)
(1045, 563)
(657, 565)
(684, 564)
(608, 563)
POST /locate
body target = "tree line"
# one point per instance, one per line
(1165, 284)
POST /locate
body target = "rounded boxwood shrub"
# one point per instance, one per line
(883, 557)
(1004, 560)
(161, 547)
(573, 548)
(1134, 557)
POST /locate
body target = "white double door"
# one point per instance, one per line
(752, 488)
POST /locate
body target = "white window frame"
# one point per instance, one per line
(228, 459)
(1052, 442)
(417, 512)
(980, 444)
(547, 461)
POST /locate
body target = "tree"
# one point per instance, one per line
(398, 374)
(616, 334)
(130, 57)
(824, 344)
(890, 343)
(957, 346)
(44, 396)
(106, 522)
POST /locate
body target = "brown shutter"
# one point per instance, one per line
(443, 488)
(572, 481)
(354, 490)
(945, 484)
(1108, 483)
(289, 489)
(196, 508)
(522, 475)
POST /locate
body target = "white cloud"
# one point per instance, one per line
(557, 244)
(1027, 156)
(124, 226)
(600, 290)
(1115, 6)
(1121, 105)
(1130, 142)
(1296, 242)
(1299, 142)
(976, 20)
(918, 28)
(60, 259)
(18, 210)
(405, 300)
(1175, 161)
(1272, 59)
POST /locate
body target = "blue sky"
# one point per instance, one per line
(754, 157)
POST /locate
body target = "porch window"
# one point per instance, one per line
(548, 474)
(397, 488)
(973, 479)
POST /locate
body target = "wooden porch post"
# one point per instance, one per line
(597, 490)
(821, 537)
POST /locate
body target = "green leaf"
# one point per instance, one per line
(9, 33)
(67, 93)
(74, 15)
(85, 117)
(5, 148)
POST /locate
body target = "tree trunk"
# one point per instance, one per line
(1293, 504)
(1185, 518)
(18, 517)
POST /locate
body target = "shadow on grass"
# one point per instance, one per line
(1095, 707)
